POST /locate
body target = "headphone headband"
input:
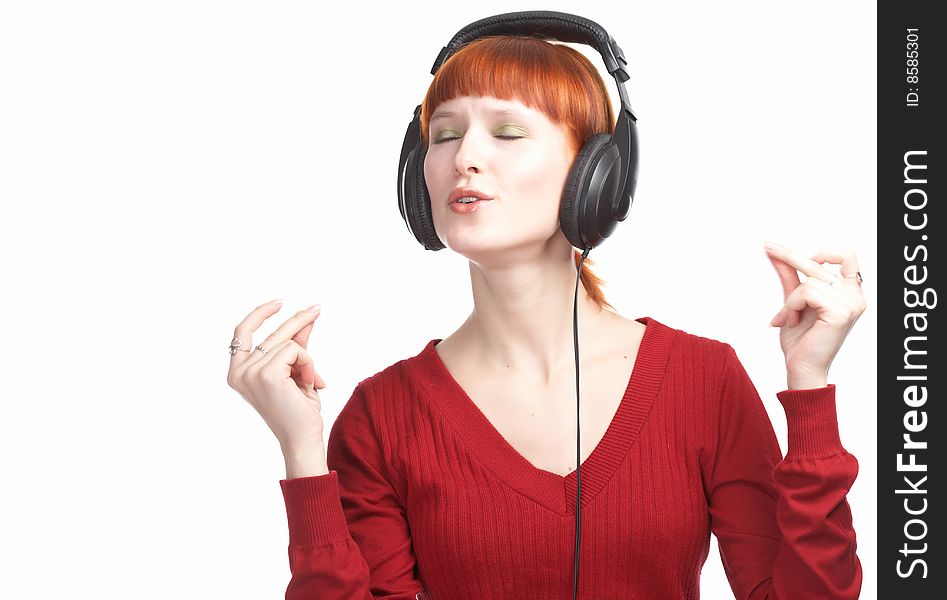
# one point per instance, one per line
(548, 24)
(560, 26)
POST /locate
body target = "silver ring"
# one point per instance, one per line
(237, 344)
(261, 349)
(857, 275)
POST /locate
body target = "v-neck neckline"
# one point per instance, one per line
(554, 491)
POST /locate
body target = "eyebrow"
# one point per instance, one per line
(502, 112)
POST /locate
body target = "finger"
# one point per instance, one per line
(843, 257)
(292, 326)
(799, 262)
(302, 338)
(796, 303)
(788, 276)
(292, 357)
(832, 304)
(244, 331)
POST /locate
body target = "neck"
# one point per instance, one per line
(522, 319)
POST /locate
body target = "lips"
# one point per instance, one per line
(467, 191)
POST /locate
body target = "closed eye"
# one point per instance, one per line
(502, 137)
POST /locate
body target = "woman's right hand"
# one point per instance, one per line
(280, 384)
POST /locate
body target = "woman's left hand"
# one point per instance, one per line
(818, 313)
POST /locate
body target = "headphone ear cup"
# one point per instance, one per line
(422, 200)
(416, 207)
(575, 205)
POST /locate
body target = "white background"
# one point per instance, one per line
(165, 167)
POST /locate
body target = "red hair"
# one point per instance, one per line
(553, 78)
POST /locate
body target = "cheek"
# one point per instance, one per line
(436, 186)
(433, 175)
(540, 177)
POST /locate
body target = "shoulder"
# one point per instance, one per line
(380, 415)
(389, 387)
(687, 342)
(373, 413)
(694, 354)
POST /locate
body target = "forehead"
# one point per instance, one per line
(484, 106)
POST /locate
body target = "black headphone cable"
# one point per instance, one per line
(578, 455)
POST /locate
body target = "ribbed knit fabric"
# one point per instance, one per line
(425, 498)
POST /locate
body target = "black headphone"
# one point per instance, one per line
(601, 184)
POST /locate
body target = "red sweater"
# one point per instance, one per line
(425, 495)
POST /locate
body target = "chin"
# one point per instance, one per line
(478, 249)
(469, 247)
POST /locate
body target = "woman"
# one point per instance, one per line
(452, 473)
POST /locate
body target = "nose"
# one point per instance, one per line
(467, 158)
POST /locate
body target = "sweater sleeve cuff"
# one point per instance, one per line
(811, 422)
(314, 510)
